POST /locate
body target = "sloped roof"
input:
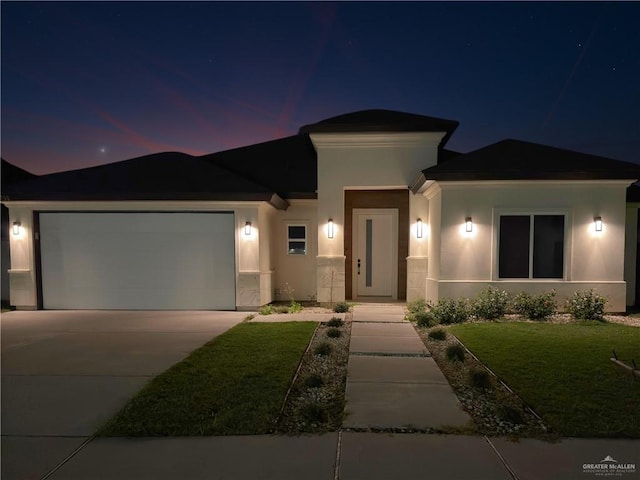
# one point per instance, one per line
(162, 176)
(287, 166)
(382, 121)
(11, 174)
(519, 160)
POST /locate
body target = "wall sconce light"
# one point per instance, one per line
(468, 225)
(330, 228)
(597, 222)
(16, 228)
(247, 228)
(419, 228)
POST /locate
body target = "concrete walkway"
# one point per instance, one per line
(391, 381)
(37, 443)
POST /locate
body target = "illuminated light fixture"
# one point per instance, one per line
(468, 225)
(419, 228)
(597, 222)
(330, 228)
(247, 228)
(16, 228)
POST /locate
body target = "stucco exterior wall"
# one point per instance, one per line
(468, 261)
(298, 271)
(360, 161)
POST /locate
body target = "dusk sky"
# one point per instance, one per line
(91, 83)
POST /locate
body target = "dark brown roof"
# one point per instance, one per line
(287, 166)
(382, 121)
(519, 160)
(162, 176)
(633, 193)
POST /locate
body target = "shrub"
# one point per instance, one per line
(448, 310)
(281, 309)
(335, 322)
(490, 304)
(341, 307)
(437, 334)
(323, 348)
(479, 378)
(425, 319)
(266, 309)
(535, 307)
(294, 307)
(510, 414)
(455, 353)
(586, 306)
(314, 413)
(313, 381)
(334, 333)
(415, 308)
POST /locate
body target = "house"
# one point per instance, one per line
(364, 205)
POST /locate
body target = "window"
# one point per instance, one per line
(531, 246)
(297, 239)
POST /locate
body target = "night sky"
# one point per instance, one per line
(91, 83)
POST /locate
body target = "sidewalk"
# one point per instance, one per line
(391, 380)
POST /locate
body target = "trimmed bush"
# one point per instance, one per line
(295, 307)
(281, 309)
(415, 308)
(448, 311)
(437, 334)
(490, 304)
(334, 333)
(586, 306)
(335, 322)
(313, 381)
(535, 307)
(341, 307)
(266, 310)
(479, 378)
(455, 353)
(323, 348)
(426, 319)
(314, 413)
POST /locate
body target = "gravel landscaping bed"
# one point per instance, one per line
(496, 410)
(315, 403)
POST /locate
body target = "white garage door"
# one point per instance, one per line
(159, 261)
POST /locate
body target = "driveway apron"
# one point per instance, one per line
(65, 373)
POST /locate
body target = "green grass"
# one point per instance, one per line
(235, 384)
(564, 372)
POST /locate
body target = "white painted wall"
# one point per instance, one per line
(466, 263)
(298, 271)
(360, 161)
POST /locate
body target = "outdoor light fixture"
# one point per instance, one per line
(247, 228)
(419, 228)
(16, 228)
(468, 225)
(597, 221)
(330, 228)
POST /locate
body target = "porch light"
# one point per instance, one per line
(16, 228)
(468, 225)
(247, 228)
(419, 228)
(330, 228)
(597, 222)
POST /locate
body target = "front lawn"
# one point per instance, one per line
(233, 385)
(564, 373)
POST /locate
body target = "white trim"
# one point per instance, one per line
(144, 205)
(491, 183)
(375, 139)
(297, 223)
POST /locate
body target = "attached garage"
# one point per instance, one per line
(137, 260)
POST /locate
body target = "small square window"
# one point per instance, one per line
(297, 239)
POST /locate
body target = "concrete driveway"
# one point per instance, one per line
(66, 372)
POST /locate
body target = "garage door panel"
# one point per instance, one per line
(138, 260)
